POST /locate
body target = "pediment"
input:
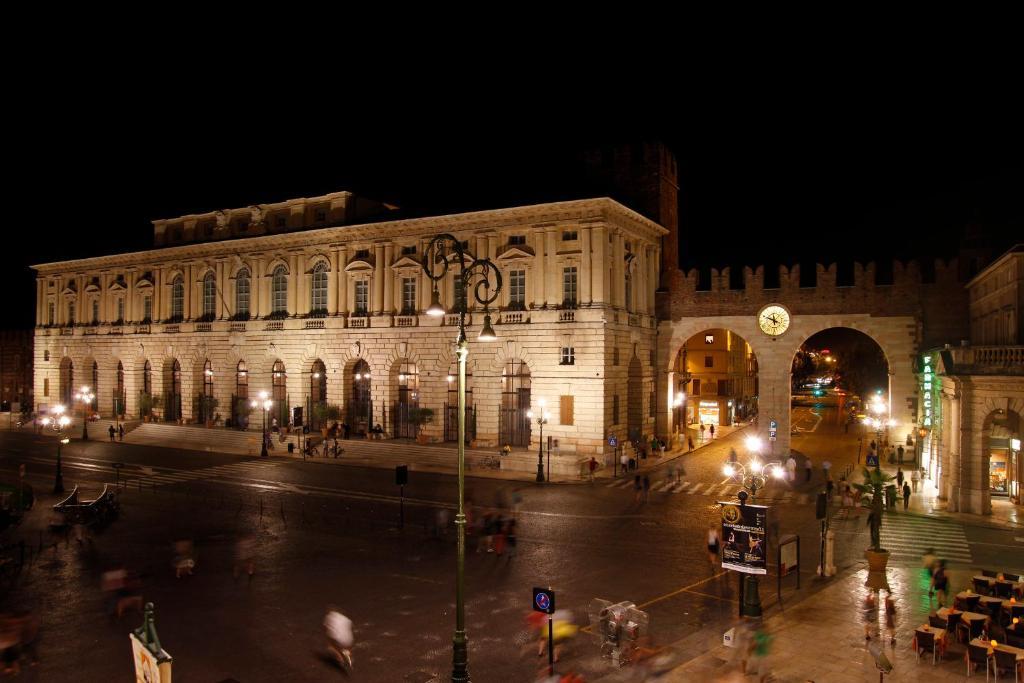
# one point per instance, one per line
(360, 264)
(92, 287)
(515, 252)
(143, 284)
(406, 262)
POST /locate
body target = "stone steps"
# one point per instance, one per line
(203, 439)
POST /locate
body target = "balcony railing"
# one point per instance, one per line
(405, 321)
(204, 327)
(275, 325)
(236, 327)
(172, 329)
(634, 320)
(67, 331)
(567, 316)
(354, 321)
(513, 318)
(314, 324)
(141, 329)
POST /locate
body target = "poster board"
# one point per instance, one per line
(744, 543)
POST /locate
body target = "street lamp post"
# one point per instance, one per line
(444, 251)
(752, 477)
(542, 419)
(57, 423)
(86, 397)
(265, 403)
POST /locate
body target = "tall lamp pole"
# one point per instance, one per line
(265, 403)
(443, 252)
(57, 422)
(86, 397)
(542, 419)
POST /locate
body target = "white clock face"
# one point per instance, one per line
(773, 320)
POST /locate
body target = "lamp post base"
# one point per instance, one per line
(58, 484)
(540, 471)
(460, 658)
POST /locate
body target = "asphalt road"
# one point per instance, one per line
(328, 535)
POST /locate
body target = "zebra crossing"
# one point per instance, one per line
(150, 476)
(718, 490)
(906, 537)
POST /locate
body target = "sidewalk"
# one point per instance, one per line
(652, 462)
(821, 638)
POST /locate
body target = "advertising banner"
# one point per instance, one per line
(744, 546)
(150, 668)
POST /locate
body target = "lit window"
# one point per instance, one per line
(569, 286)
(279, 291)
(408, 296)
(517, 288)
(709, 339)
(318, 286)
(568, 355)
(177, 298)
(147, 308)
(242, 284)
(362, 296)
(209, 295)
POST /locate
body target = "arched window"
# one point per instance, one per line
(241, 380)
(208, 379)
(210, 295)
(279, 384)
(242, 294)
(172, 381)
(360, 408)
(318, 289)
(95, 311)
(240, 401)
(279, 290)
(119, 395)
(177, 298)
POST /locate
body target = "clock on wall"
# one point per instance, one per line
(773, 320)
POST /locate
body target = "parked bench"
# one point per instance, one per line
(99, 509)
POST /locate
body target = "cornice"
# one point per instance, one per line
(601, 209)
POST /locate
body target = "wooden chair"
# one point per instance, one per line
(971, 629)
(935, 621)
(971, 603)
(1011, 577)
(976, 654)
(1003, 590)
(952, 622)
(926, 642)
(989, 573)
(981, 587)
(1005, 661)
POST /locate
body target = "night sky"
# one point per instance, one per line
(812, 192)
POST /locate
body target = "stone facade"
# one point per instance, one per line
(352, 294)
(996, 301)
(16, 367)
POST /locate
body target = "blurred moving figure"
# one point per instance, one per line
(340, 638)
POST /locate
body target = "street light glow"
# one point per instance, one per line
(754, 443)
(729, 470)
(435, 308)
(264, 395)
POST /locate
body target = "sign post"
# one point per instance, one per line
(401, 479)
(152, 662)
(544, 602)
(614, 443)
(744, 549)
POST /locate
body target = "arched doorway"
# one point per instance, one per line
(514, 425)
(205, 402)
(360, 406)
(279, 393)
(403, 411)
(146, 393)
(635, 401)
(1001, 468)
(240, 398)
(119, 392)
(172, 394)
(451, 406)
(67, 383)
(317, 406)
(94, 405)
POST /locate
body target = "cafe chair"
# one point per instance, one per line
(1005, 661)
(935, 621)
(971, 603)
(989, 573)
(926, 643)
(952, 622)
(970, 628)
(1011, 577)
(1014, 640)
(977, 654)
(1003, 590)
(981, 587)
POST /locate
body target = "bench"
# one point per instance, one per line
(88, 511)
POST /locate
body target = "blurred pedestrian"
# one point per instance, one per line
(111, 431)
(714, 544)
(761, 646)
(870, 615)
(899, 453)
(711, 430)
(245, 556)
(638, 489)
(899, 477)
(499, 535)
(340, 638)
(906, 496)
(791, 469)
(10, 643)
(184, 558)
(510, 537)
(702, 428)
(661, 447)
(890, 617)
(928, 561)
(808, 466)
(120, 432)
(732, 455)
(592, 466)
(647, 488)
(441, 523)
(624, 461)
(914, 477)
(689, 442)
(940, 582)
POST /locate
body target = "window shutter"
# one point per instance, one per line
(566, 409)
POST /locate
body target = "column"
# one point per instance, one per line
(492, 246)
(389, 279)
(130, 304)
(158, 296)
(294, 283)
(40, 304)
(257, 291)
(586, 266)
(342, 280)
(619, 270)
(377, 302)
(599, 272)
(219, 269)
(552, 278)
(332, 284)
(190, 291)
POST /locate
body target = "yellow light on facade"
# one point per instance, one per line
(435, 309)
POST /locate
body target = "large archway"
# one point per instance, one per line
(406, 376)
(317, 407)
(514, 423)
(206, 404)
(360, 405)
(172, 393)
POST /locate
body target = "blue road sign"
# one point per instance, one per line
(543, 600)
(772, 424)
(613, 441)
(872, 460)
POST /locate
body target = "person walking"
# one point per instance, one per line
(914, 476)
(647, 488)
(510, 537)
(339, 636)
(939, 583)
(713, 545)
(638, 489)
(702, 428)
(890, 617)
(899, 477)
(120, 432)
(110, 430)
(624, 461)
(899, 454)
(791, 467)
(592, 465)
(711, 430)
(826, 468)
(906, 496)
(689, 442)
(808, 466)
(873, 446)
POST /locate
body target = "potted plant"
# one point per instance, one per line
(420, 417)
(207, 404)
(333, 413)
(873, 488)
(146, 406)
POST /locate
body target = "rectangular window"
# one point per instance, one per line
(615, 409)
(242, 296)
(569, 286)
(147, 308)
(517, 240)
(709, 361)
(615, 356)
(517, 288)
(362, 253)
(709, 339)
(568, 235)
(696, 387)
(568, 355)
(120, 309)
(406, 251)
(71, 313)
(362, 296)
(321, 215)
(409, 295)
(51, 313)
(46, 386)
(95, 311)
(723, 387)
(565, 410)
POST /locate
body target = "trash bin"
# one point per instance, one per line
(291, 447)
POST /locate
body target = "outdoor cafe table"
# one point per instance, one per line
(967, 616)
(1005, 648)
(1018, 586)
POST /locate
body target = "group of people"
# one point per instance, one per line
(118, 433)
(495, 531)
(18, 633)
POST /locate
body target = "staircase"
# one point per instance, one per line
(213, 439)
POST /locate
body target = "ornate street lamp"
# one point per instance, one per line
(57, 422)
(542, 419)
(265, 403)
(86, 397)
(443, 252)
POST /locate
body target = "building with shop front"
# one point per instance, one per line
(971, 396)
(718, 382)
(304, 301)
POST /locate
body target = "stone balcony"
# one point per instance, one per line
(984, 360)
